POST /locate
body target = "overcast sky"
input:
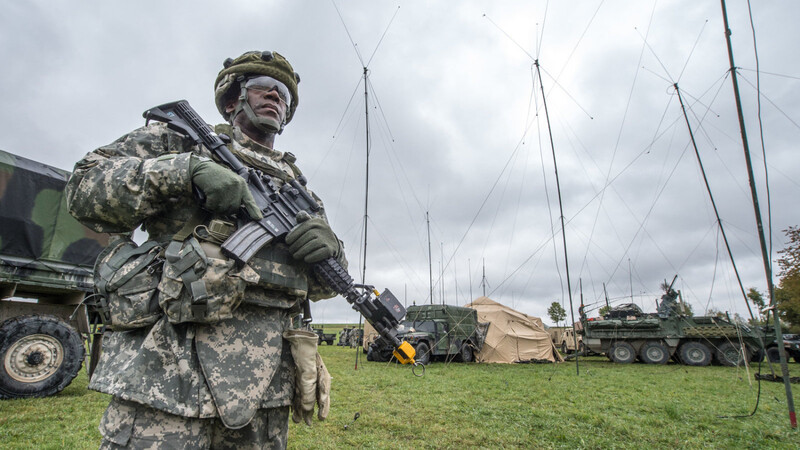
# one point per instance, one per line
(459, 132)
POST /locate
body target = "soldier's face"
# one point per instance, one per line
(268, 101)
(267, 105)
(268, 97)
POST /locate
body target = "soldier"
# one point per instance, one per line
(209, 369)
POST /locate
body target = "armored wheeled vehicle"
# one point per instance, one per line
(46, 261)
(626, 334)
(436, 332)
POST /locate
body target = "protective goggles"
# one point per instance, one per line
(266, 84)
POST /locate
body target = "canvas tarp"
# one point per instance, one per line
(34, 222)
(512, 336)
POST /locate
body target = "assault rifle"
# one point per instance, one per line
(280, 208)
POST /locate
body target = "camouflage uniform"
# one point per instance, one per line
(229, 371)
(133, 425)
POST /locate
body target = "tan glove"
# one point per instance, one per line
(323, 389)
(312, 380)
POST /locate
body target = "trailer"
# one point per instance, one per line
(46, 272)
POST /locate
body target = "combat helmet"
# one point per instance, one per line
(229, 84)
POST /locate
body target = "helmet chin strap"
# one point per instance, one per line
(262, 123)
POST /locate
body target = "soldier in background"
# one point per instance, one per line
(223, 375)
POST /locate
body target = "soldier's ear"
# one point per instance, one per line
(230, 107)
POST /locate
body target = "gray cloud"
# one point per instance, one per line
(454, 115)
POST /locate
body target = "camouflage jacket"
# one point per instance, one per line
(227, 369)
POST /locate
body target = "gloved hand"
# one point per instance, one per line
(312, 380)
(319, 390)
(312, 239)
(323, 389)
(225, 191)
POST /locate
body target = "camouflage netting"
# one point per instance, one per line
(34, 221)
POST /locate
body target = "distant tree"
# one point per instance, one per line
(787, 293)
(604, 310)
(715, 313)
(557, 313)
(756, 299)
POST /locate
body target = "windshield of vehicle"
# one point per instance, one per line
(408, 326)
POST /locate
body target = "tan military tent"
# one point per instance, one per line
(512, 336)
(370, 334)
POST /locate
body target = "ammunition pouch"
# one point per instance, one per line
(126, 278)
(196, 287)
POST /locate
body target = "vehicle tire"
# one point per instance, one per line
(564, 348)
(622, 353)
(370, 354)
(757, 355)
(423, 355)
(773, 354)
(731, 355)
(39, 356)
(581, 349)
(695, 354)
(377, 355)
(465, 353)
(654, 352)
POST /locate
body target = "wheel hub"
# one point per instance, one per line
(33, 358)
(733, 356)
(695, 355)
(654, 353)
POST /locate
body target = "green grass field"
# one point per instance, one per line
(486, 406)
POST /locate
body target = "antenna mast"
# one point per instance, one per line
(483, 280)
(764, 253)
(366, 188)
(441, 271)
(719, 220)
(430, 261)
(560, 203)
(469, 271)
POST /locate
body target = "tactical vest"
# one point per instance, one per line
(282, 280)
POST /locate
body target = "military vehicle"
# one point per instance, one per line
(791, 343)
(327, 338)
(568, 338)
(436, 332)
(626, 333)
(46, 262)
(563, 338)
